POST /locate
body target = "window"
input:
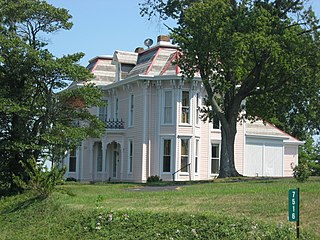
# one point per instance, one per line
(131, 109)
(116, 109)
(130, 155)
(166, 163)
(72, 160)
(167, 118)
(196, 157)
(185, 109)
(215, 122)
(198, 109)
(103, 111)
(215, 157)
(184, 155)
(99, 157)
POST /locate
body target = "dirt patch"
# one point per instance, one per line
(153, 188)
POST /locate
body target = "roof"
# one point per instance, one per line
(262, 128)
(125, 57)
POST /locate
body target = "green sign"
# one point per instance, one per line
(293, 205)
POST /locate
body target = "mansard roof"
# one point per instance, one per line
(158, 60)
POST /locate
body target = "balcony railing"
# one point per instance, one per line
(114, 124)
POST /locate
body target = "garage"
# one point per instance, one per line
(264, 157)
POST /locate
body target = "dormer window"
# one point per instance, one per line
(124, 62)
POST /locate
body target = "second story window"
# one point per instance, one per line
(185, 107)
(131, 109)
(103, 112)
(198, 108)
(215, 122)
(116, 109)
(167, 109)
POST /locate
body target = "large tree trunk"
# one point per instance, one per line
(228, 132)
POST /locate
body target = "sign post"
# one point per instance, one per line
(293, 207)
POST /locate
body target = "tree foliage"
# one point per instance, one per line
(36, 122)
(261, 53)
(309, 154)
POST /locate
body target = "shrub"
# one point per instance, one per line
(71, 179)
(154, 178)
(301, 172)
(40, 179)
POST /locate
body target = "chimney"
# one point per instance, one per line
(163, 38)
(139, 50)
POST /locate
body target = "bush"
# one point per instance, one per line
(71, 179)
(153, 179)
(301, 172)
(40, 179)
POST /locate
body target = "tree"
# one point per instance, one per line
(309, 154)
(260, 54)
(36, 122)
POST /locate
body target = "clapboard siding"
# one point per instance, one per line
(290, 160)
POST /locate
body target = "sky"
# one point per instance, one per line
(103, 26)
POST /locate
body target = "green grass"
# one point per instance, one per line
(231, 209)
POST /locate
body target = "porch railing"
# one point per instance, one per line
(114, 124)
(188, 170)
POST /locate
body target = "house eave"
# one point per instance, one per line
(275, 137)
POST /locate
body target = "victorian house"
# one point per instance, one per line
(153, 126)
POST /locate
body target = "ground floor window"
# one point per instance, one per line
(215, 158)
(196, 158)
(184, 155)
(99, 157)
(72, 160)
(166, 160)
(130, 154)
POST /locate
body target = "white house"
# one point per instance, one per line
(153, 126)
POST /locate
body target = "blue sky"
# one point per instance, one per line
(103, 26)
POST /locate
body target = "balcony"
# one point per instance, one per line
(114, 124)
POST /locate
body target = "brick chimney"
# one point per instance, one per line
(163, 38)
(139, 50)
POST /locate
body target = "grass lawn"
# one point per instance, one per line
(234, 204)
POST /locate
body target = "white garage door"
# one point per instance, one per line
(263, 158)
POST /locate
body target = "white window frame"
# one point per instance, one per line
(215, 158)
(196, 156)
(130, 155)
(165, 107)
(214, 123)
(198, 109)
(116, 109)
(131, 110)
(188, 156)
(99, 157)
(163, 139)
(73, 157)
(104, 111)
(188, 108)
